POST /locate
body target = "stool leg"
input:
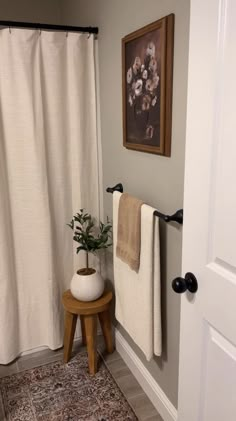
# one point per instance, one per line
(70, 325)
(90, 323)
(83, 330)
(105, 322)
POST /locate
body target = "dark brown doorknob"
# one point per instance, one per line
(189, 282)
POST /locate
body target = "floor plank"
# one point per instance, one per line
(36, 360)
(108, 358)
(118, 368)
(129, 386)
(143, 407)
(156, 417)
(8, 370)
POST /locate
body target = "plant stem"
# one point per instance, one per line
(87, 260)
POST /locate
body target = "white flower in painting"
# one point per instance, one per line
(129, 75)
(145, 74)
(155, 80)
(149, 85)
(137, 65)
(138, 87)
(149, 132)
(142, 68)
(153, 65)
(154, 101)
(151, 49)
(130, 100)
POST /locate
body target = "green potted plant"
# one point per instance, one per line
(87, 284)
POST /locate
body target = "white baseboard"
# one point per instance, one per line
(156, 395)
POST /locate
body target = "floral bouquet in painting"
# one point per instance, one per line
(142, 86)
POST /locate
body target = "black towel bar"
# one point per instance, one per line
(176, 217)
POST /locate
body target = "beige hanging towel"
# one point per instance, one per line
(129, 231)
(138, 295)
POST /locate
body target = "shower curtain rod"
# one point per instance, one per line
(178, 216)
(45, 26)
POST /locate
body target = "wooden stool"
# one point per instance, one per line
(88, 312)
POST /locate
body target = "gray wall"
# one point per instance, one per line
(46, 11)
(157, 180)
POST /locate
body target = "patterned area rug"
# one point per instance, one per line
(58, 392)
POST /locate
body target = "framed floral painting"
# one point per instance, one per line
(147, 65)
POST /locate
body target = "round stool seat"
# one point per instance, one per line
(75, 306)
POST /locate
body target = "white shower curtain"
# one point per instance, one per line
(48, 171)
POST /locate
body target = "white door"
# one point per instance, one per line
(207, 377)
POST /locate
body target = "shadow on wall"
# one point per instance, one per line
(163, 260)
(165, 284)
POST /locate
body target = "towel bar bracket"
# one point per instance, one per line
(176, 217)
(117, 187)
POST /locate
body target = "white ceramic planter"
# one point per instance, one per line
(87, 285)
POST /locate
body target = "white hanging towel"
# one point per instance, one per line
(138, 295)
